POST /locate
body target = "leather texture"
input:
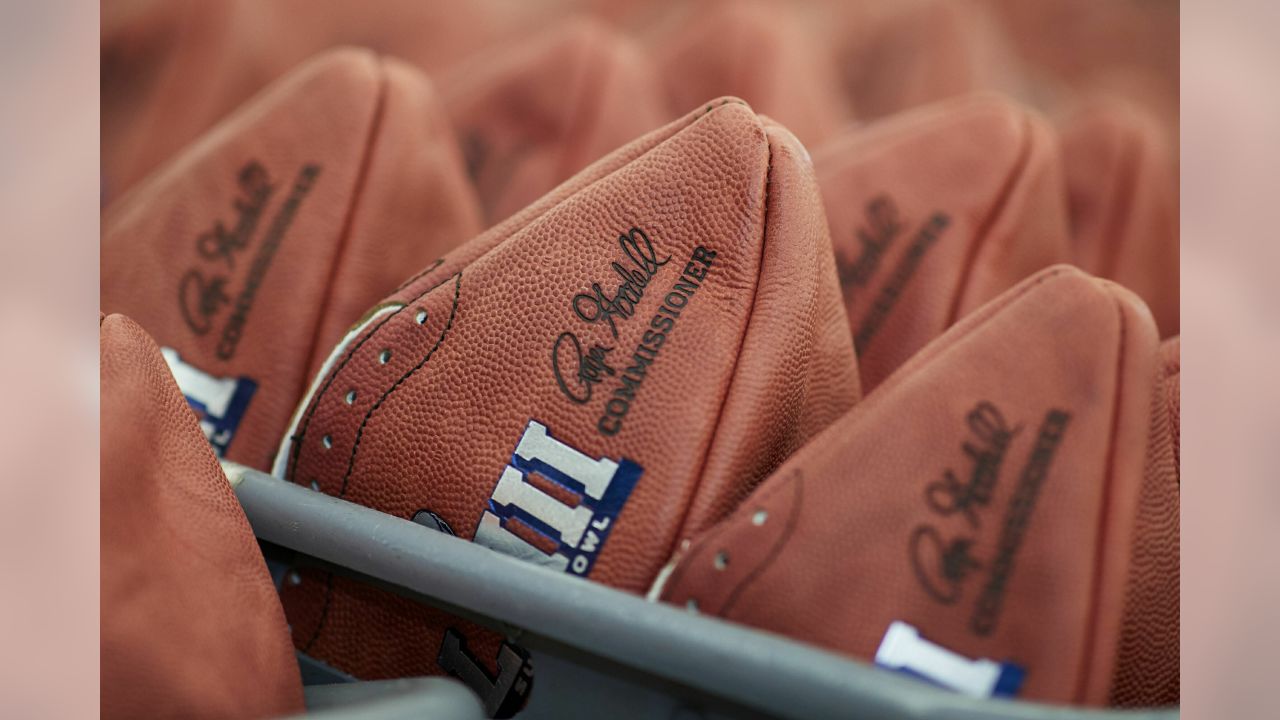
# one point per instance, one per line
(191, 623)
(172, 69)
(1148, 656)
(254, 251)
(531, 115)
(758, 51)
(935, 212)
(422, 408)
(996, 493)
(1122, 190)
(1171, 362)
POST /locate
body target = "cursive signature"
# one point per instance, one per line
(201, 299)
(588, 369)
(221, 243)
(881, 225)
(992, 436)
(941, 566)
(596, 306)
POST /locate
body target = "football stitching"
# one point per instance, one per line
(358, 193)
(792, 520)
(324, 613)
(319, 397)
(355, 448)
(424, 271)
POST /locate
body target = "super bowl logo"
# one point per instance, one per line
(554, 505)
(218, 402)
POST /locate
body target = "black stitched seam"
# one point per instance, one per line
(349, 218)
(299, 436)
(355, 448)
(774, 552)
(351, 463)
(324, 612)
(412, 280)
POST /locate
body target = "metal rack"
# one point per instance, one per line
(599, 652)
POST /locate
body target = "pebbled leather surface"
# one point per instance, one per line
(364, 181)
(531, 115)
(191, 623)
(1122, 190)
(933, 213)
(759, 51)
(440, 404)
(1049, 389)
(1171, 362)
(1148, 655)
(789, 382)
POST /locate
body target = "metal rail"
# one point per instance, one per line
(600, 652)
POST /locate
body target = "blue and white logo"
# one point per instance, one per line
(219, 403)
(572, 534)
(903, 650)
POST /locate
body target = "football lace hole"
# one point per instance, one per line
(384, 356)
(351, 396)
(691, 605)
(327, 441)
(294, 578)
(721, 560)
(422, 316)
(759, 517)
(315, 486)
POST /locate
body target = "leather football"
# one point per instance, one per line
(934, 212)
(605, 374)
(173, 69)
(1010, 495)
(876, 351)
(249, 255)
(531, 115)
(759, 51)
(1122, 192)
(191, 623)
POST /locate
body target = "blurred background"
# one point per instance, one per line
(173, 68)
(84, 83)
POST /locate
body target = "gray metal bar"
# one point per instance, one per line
(711, 664)
(315, 672)
(437, 698)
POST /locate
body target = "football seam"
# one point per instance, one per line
(348, 223)
(1104, 512)
(360, 432)
(324, 612)
(590, 81)
(355, 448)
(676, 539)
(337, 370)
(793, 519)
(983, 236)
